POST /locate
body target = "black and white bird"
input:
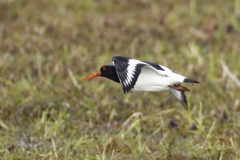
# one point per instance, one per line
(138, 75)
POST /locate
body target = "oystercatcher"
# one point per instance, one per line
(138, 75)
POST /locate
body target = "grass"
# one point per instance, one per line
(48, 113)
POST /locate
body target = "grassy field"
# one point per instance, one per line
(47, 112)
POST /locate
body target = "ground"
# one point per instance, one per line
(47, 112)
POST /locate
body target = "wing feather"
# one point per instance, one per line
(128, 71)
(180, 95)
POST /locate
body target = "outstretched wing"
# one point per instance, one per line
(128, 71)
(181, 97)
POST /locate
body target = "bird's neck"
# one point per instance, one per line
(114, 76)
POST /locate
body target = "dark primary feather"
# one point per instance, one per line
(184, 100)
(121, 65)
(156, 66)
(125, 59)
(119, 58)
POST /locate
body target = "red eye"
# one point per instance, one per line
(104, 68)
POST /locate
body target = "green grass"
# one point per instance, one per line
(47, 112)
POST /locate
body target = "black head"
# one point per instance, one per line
(109, 72)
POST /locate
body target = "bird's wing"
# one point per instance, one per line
(165, 68)
(162, 70)
(128, 70)
(181, 97)
(173, 76)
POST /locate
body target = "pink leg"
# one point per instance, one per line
(179, 88)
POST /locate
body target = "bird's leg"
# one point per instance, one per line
(179, 88)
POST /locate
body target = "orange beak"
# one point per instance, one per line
(92, 76)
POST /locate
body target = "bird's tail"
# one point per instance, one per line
(189, 80)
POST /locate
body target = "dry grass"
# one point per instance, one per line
(48, 46)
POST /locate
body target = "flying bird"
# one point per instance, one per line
(138, 75)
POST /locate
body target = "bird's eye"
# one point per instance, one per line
(104, 68)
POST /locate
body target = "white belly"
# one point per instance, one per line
(152, 84)
(150, 88)
(149, 80)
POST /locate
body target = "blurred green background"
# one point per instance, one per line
(46, 47)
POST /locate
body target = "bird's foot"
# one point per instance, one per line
(179, 88)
